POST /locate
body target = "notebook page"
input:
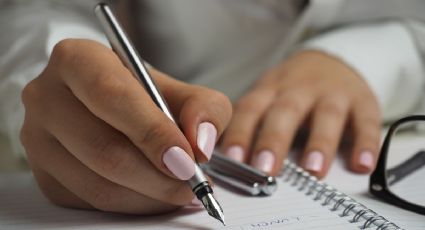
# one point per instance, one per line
(23, 207)
(414, 192)
(404, 219)
(356, 186)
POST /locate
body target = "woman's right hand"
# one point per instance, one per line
(95, 139)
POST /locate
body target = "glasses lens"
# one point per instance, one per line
(405, 170)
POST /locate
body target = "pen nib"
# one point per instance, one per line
(213, 207)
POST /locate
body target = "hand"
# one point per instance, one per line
(95, 139)
(313, 87)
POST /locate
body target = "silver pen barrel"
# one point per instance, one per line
(125, 50)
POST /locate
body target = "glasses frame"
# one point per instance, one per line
(378, 185)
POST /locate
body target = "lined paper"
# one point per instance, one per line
(404, 219)
(356, 186)
(24, 207)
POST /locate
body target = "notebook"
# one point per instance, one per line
(301, 202)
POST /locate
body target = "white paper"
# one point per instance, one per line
(356, 186)
(24, 207)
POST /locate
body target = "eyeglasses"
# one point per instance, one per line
(399, 177)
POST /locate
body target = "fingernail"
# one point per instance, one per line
(206, 138)
(315, 161)
(196, 202)
(265, 161)
(366, 159)
(235, 152)
(179, 163)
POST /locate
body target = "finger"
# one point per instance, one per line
(279, 127)
(328, 121)
(56, 192)
(108, 152)
(99, 192)
(247, 115)
(203, 113)
(111, 93)
(366, 124)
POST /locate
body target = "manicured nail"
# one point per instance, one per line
(235, 152)
(179, 163)
(315, 161)
(206, 138)
(196, 202)
(366, 159)
(265, 161)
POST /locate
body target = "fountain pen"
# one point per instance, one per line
(123, 47)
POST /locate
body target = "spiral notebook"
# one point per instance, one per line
(301, 202)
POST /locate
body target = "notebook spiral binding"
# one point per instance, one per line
(337, 201)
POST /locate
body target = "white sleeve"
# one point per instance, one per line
(32, 29)
(386, 55)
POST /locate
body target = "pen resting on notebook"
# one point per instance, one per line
(241, 176)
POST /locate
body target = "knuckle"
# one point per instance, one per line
(247, 104)
(37, 102)
(36, 145)
(373, 121)
(289, 103)
(223, 109)
(24, 136)
(31, 93)
(274, 137)
(63, 51)
(256, 100)
(222, 100)
(369, 122)
(333, 109)
(218, 98)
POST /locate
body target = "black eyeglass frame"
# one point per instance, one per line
(378, 185)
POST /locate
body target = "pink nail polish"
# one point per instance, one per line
(235, 152)
(179, 163)
(366, 159)
(265, 161)
(315, 161)
(206, 138)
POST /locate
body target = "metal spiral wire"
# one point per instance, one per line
(338, 201)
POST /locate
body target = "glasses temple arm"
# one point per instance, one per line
(407, 167)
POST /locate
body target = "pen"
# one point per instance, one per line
(239, 175)
(123, 47)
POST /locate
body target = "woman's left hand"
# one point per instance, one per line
(310, 87)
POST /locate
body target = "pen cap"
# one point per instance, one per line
(240, 175)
